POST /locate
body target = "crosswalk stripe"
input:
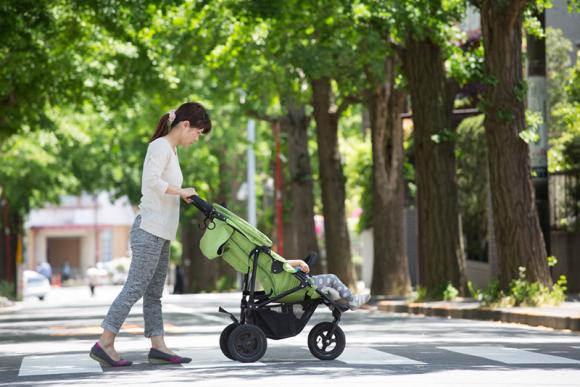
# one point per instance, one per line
(212, 358)
(360, 356)
(511, 355)
(58, 364)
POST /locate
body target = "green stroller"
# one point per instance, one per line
(286, 303)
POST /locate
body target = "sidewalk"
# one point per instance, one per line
(8, 306)
(564, 316)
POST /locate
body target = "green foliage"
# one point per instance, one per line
(532, 24)
(522, 292)
(472, 183)
(444, 135)
(421, 294)
(521, 90)
(8, 290)
(450, 292)
(446, 292)
(176, 249)
(225, 283)
(563, 103)
(31, 172)
(505, 115)
(534, 121)
(56, 53)
(525, 293)
(359, 172)
(465, 66)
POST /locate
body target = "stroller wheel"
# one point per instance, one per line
(247, 343)
(322, 345)
(224, 340)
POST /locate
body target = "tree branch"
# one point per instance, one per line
(261, 117)
(346, 102)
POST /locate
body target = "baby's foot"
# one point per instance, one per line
(358, 300)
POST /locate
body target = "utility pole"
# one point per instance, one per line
(278, 184)
(537, 102)
(251, 175)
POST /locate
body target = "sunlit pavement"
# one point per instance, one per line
(46, 344)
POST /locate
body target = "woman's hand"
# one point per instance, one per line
(186, 193)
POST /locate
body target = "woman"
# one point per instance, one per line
(152, 232)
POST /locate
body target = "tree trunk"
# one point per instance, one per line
(390, 266)
(8, 246)
(227, 181)
(332, 181)
(300, 187)
(517, 229)
(441, 255)
(201, 272)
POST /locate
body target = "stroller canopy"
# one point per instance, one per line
(234, 239)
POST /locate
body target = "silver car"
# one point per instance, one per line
(35, 284)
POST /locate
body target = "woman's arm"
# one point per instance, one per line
(185, 193)
(155, 162)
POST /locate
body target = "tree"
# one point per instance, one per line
(517, 229)
(423, 31)
(309, 38)
(385, 105)
(246, 64)
(384, 101)
(301, 195)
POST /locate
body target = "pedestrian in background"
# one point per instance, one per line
(46, 270)
(92, 275)
(153, 230)
(179, 286)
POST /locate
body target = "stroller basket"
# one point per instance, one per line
(284, 320)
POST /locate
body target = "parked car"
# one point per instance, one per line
(35, 284)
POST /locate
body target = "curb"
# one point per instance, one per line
(486, 314)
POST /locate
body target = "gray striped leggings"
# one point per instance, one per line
(146, 279)
(332, 281)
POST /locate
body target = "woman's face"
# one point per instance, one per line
(190, 135)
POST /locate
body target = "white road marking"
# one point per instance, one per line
(191, 311)
(511, 355)
(212, 358)
(58, 364)
(359, 355)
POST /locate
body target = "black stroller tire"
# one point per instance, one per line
(318, 342)
(247, 343)
(224, 340)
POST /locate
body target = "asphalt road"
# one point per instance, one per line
(46, 344)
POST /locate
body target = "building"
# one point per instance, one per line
(80, 231)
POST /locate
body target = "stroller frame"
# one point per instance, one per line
(243, 340)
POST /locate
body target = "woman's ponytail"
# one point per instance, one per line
(162, 127)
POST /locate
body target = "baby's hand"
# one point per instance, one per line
(304, 266)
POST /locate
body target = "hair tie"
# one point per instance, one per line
(171, 118)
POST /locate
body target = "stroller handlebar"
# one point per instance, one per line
(201, 204)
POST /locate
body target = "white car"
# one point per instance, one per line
(35, 284)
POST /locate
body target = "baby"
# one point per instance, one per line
(333, 282)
